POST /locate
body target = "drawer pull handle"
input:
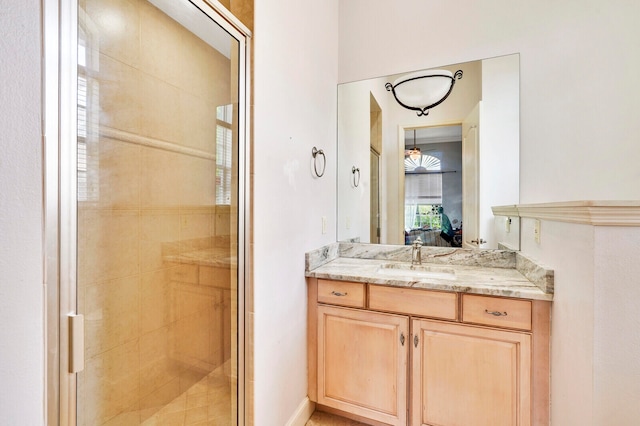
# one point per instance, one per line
(337, 293)
(496, 313)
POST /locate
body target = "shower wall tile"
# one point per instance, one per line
(160, 113)
(113, 27)
(196, 65)
(235, 79)
(198, 122)
(195, 224)
(223, 94)
(118, 95)
(198, 186)
(157, 228)
(107, 244)
(111, 314)
(162, 42)
(119, 174)
(223, 222)
(242, 9)
(174, 180)
(112, 379)
(161, 176)
(201, 62)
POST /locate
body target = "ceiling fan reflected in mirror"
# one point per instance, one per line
(413, 153)
(425, 164)
(418, 161)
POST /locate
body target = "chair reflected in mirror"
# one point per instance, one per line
(434, 228)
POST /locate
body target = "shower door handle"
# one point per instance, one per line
(76, 343)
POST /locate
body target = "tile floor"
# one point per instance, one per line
(325, 419)
(208, 402)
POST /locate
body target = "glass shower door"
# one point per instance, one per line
(158, 205)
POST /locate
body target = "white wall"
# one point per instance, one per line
(21, 261)
(568, 249)
(499, 136)
(294, 109)
(579, 104)
(578, 62)
(510, 238)
(617, 321)
(354, 130)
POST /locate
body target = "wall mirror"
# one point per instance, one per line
(468, 162)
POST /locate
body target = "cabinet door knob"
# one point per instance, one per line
(496, 313)
(337, 293)
(402, 338)
(416, 340)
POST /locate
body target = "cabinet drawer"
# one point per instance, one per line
(496, 311)
(426, 303)
(343, 293)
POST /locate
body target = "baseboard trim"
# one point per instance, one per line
(303, 413)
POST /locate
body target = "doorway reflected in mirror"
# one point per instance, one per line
(433, 185)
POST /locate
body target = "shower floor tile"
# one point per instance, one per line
(208, 402)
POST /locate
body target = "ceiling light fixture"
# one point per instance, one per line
(414, 153)
(420, 91)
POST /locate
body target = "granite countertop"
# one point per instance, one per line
(214, 257)
(488, 272)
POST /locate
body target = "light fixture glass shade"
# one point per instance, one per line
(414, 154)
(423, 90)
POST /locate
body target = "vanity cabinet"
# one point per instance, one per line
(402, 356)
(362, 363)
(466, 375)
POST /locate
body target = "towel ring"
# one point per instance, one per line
(355, 169)
(315, 152)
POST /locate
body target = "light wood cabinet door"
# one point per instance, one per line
(362, 363)
(464, 375)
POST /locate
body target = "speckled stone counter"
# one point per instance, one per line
(214, 257)
(489, 272)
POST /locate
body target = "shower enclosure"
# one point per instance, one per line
(152, 202)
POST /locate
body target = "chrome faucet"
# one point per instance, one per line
(416, 256)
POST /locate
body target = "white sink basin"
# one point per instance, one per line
(402, 270)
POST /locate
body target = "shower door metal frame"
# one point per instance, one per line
(59, 141)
